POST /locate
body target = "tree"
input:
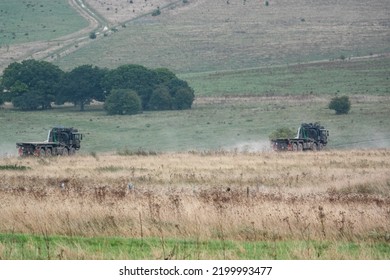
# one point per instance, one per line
(158, 89)
(164, 75)
(122, 102)
(2, 95)
(341, 105)
(81, 85)
(183, 95)
(31, 84)
(183, 99)
(160, 99)
(134, 77)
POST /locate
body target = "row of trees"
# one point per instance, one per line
(32, 85)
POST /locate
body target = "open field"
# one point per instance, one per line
(324, 205)
(228, 123)
(195, 36)
(43, 29)
(27, 21)
(369, 76)
(204, 183)
(213, 35)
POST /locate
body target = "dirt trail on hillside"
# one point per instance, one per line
(51, 48)
(104, 17)
(97, 15)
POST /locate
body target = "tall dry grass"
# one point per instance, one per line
(332, 195)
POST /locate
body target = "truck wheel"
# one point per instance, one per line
(39, 152)
(295, 147)
(300, 147)
(321, 147)
(72, 151)
(65, 152)
(314, 147)
(48, 152)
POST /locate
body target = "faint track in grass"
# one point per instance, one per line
(48, 50)
(51, 50)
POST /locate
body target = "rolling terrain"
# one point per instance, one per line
(214, 35)
(203, 183)
(320, 50)
(204, 35)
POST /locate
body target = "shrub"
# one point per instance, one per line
(123, 102)
(341, 105)
(283, 132)
(156, 12)
(92, 35)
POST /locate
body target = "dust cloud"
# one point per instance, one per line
(251, 146)
(8, 150)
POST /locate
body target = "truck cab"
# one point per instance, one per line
(65, 136)
(313, 131)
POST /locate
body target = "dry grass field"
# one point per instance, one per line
(333, 196)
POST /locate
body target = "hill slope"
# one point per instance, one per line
(214, 35)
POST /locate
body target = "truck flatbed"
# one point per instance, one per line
(36, 143)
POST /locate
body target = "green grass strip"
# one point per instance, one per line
(43, 247)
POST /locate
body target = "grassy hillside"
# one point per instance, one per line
(370, 76)
(26, 21)
(214, 35)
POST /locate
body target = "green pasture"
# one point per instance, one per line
(271, 98)
(224, 123)
(349, 77)
(25, 21)
(35, 247)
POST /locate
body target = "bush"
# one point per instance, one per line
(92, 35)
(123, 102)
(282, 133)
(341, 105)
(156, 12)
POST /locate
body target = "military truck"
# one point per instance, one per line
(309, 137)
(60, 141)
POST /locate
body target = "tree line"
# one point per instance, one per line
(128, 89)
